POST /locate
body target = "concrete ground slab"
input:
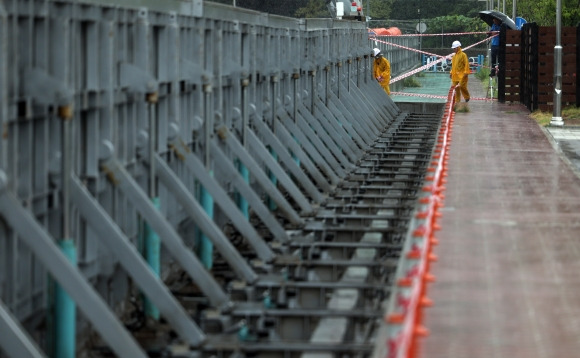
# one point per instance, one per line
(507, 282)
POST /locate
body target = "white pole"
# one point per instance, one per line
(557, 116)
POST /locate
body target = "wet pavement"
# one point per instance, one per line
(567, 141)
(507, 282)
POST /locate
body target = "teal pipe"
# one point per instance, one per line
(242, 202)
(244, 333)
(152, 254)
(271, 203)
(65, 310)
(205, 247)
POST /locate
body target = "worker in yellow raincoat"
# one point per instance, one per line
(459, 72)
(382, 70)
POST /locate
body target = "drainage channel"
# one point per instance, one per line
(323, 295)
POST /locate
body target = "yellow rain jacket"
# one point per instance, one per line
(382, 72)
(459, 66)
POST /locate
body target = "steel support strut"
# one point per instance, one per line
(110, 233)
(169, 237)
(14, 339)
(226, 204)
(68, 276)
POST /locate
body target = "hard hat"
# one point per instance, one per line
(456, 44)
(376, 51)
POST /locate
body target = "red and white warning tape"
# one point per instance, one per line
(424, 67)
(418, 95)
(442, 34)
(421, 95)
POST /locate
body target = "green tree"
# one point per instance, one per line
(313, 9)
(543, 12)
(379, 9)
(428, 9)
(453, 24)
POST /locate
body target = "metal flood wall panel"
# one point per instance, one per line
(185, 66)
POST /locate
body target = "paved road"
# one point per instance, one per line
(567, 141)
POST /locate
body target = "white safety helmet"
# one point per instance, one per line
(456, 44)
(376, 51)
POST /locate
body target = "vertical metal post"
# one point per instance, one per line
(205, 245)
(242, 202)
(338, 68)
(65, 310)
(557, 116)
(312, 90)
(295, 78)
(205, 249)
(348, 73)
(152, 242)
(420, 27)
(152, 254)
(66, 113)
(326, 84)
(64, 306)
(3, 82)
(274, 83)
(514, 10)
(213, 45)
(151, 100)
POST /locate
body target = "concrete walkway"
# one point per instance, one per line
(507, 279)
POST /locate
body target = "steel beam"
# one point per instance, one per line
(227, 205)
(347, 125)
(292, 143)
(41, 243)
(274, 167)
(253, 199)
(205, 223)
(306, 313)
(361, 121)
(302, 124)
(337, 132)
(229, 344)
(119, 177)
(14, 339)
(114, 238)
(319, 154)
(260, 176)
(270, 139)
(367, 112)
(308, 122)
(3, 83)
(359, 130)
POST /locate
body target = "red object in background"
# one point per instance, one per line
(391, 31)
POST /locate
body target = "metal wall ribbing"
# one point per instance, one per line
(100, 102)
